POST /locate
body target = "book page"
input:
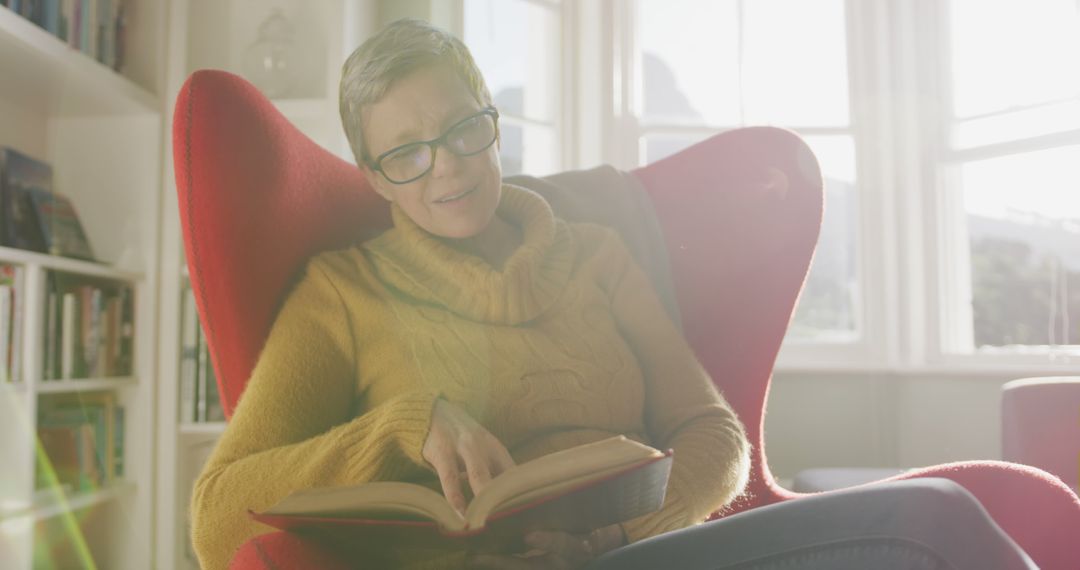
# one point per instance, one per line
(550, 474)
(378, 500)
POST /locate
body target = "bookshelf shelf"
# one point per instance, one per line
(83, 385)
(206, 428)
(56, 263)
(51, 506)
(16, 387)
(43, 73)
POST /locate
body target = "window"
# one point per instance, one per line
(1011, 171)
(704, 67)
(518, 46)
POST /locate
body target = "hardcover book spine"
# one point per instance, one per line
(5, 333)
(118, 441)
(18, 302)
(189, 347)
(67, 336)
(52, 16)
(203, 384)
(52, 314)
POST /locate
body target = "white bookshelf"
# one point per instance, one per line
(54, 79)
(212, 429)
(83, 385)
(67, 265)
(214, 34)
(103, 133)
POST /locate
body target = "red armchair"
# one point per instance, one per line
(739, 212)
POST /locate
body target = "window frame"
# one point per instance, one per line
(909, 244)
(565, 116)
(952, 287)
(622, 148)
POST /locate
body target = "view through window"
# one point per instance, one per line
(705, 67)
(1015, 155)
(517, 44)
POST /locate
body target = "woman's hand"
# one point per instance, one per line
(461, 449)
(555, 550)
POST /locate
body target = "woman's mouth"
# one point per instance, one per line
(456, 197)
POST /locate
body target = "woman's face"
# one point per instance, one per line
(422, 106)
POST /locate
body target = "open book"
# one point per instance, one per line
(574, 490)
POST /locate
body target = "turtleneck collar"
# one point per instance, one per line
(418, 264)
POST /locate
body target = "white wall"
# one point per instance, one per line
(882, 419)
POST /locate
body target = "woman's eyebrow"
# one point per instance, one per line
(459, 113)
(404, 137)
(412, 135)
(452, 118)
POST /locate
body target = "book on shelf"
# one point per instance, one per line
(200, 399)
(89, 327)
(20, 175)
(12, 300)
(94, 27)
(50, 346)
(61, 230)
(189, 355)
(81, 441)
(118, 441)
(575, 490)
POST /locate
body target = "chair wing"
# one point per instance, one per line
(256, 199)
(741, 213)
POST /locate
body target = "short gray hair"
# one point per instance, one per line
(400, 48)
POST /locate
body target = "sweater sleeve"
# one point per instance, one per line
(293, 428)
(683, 410)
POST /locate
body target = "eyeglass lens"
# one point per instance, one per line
(467, 137)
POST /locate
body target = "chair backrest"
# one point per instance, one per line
(739, 212)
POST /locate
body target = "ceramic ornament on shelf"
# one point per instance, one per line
(270, 62)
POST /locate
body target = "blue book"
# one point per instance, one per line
(52, 17)
(21, 175)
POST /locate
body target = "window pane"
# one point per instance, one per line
(528, 149)
(1009, 54)
(793, 68)
(1023, 214)
(795, 63)
(828, 308)
(1004, 127)
(516, 44)
(689, 61)
(655, 147)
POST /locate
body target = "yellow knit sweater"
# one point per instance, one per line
(566, 344)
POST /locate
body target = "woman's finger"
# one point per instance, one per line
(501, 458)
(450, 479)
(476, 468)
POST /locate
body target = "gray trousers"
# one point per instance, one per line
(918, 524)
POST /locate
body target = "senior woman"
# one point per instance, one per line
(479, 332)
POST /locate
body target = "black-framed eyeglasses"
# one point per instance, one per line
(411, 161)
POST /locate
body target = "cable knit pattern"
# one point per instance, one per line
(566, 344)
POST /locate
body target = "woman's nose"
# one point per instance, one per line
(446, 163)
